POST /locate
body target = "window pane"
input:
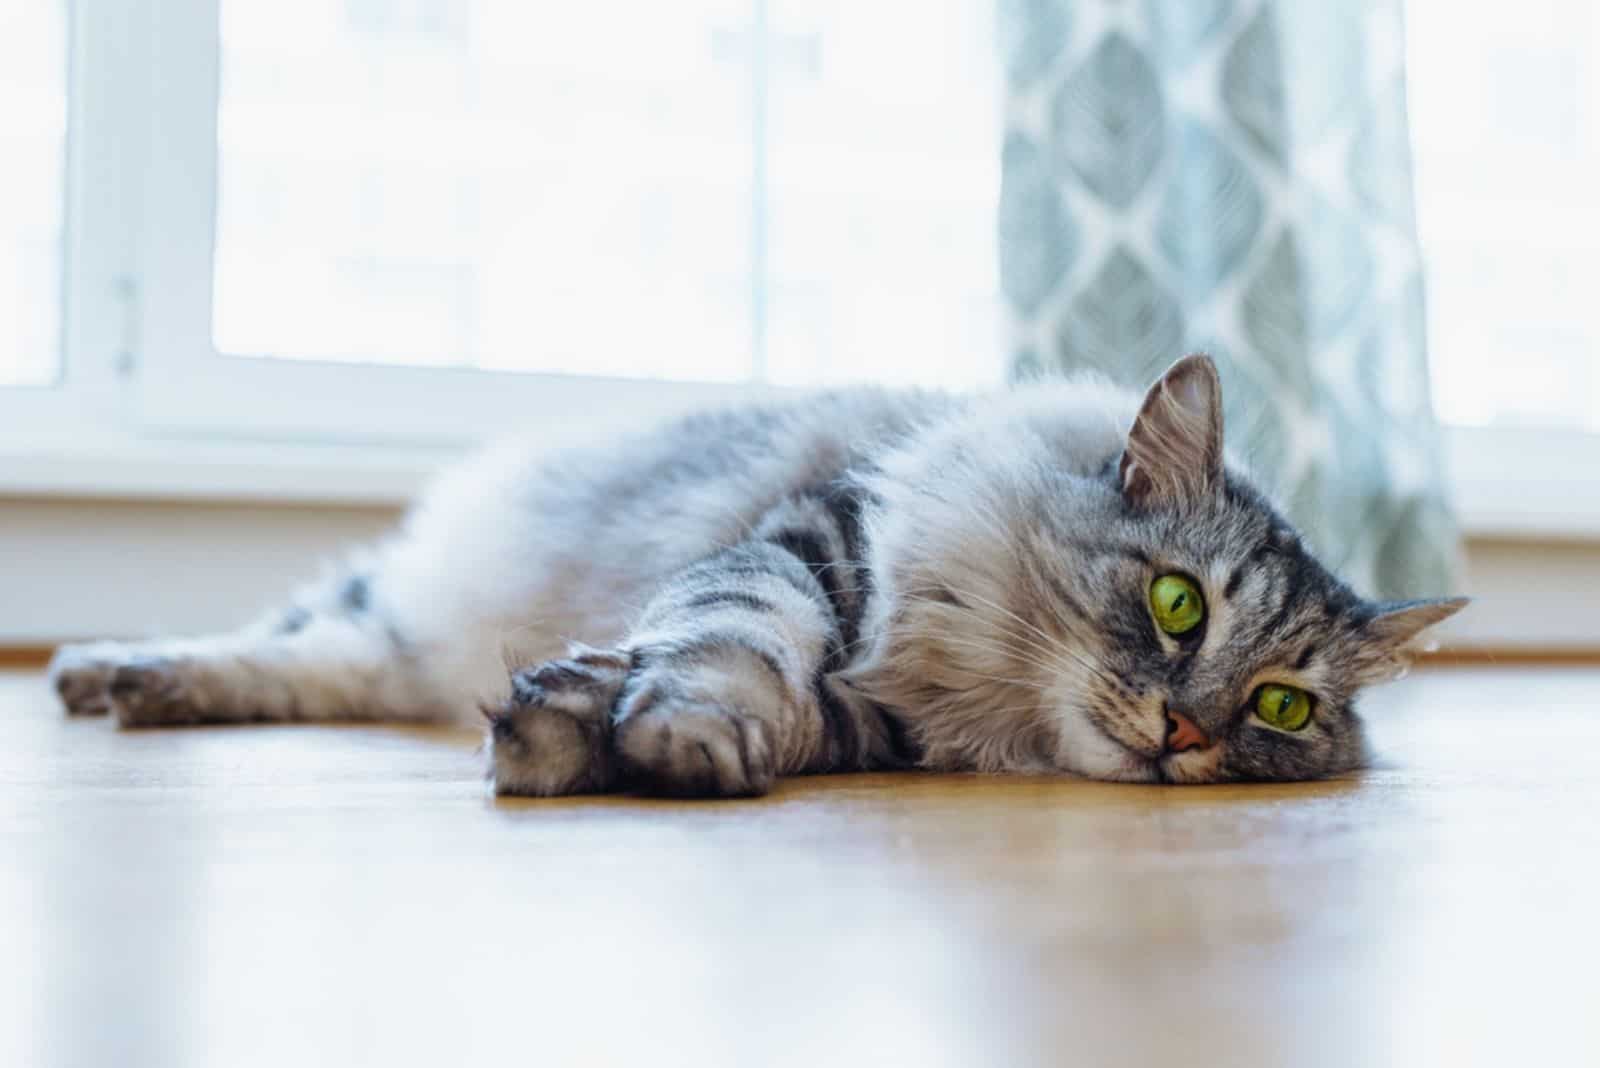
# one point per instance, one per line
(884, 174)
(33, 65)
(1506, 125)
(487, 183)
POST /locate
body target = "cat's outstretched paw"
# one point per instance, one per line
(139, 688)
(81, 675)
(150, 691)
(682, 745)
(553, 735)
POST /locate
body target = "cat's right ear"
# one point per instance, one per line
(1392, 636)
(1174, 450)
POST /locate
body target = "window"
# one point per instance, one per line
(883, 167)
(1505, 111)
(497, 185)
(430, 220)
(33, 84)
(727, 191)
(424, 221)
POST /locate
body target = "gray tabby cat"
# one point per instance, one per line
(1054, 579)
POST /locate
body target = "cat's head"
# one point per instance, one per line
(1074, 590)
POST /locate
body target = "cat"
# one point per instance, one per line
(1057, 578)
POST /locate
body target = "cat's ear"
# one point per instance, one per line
(1174, 449)
(1391, 636)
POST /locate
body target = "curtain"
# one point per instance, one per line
(1234, 177)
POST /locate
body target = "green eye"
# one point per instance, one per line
(1176, 603)
(1284, 707)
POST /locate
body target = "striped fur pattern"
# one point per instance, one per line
(855, 580)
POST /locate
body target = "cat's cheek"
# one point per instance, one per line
(1084, 749)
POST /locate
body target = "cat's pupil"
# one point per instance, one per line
(1177, 602)
(1284, 702)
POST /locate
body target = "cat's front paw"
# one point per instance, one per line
(681, 745)
(553, 735)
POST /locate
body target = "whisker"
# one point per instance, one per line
(1007, 611)
(1054, 652)
(1000, 649)
(1011, 682)
(1048, 650)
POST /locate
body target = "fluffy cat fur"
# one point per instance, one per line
(857, 579)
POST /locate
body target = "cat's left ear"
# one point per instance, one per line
(1390, 638)
(1174, 449)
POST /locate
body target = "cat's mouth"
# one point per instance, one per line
(1140, 754)
(1145, 760)
(1193, 766)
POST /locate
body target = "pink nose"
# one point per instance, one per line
(1183, 735)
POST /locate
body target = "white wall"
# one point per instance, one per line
(1530, 594)
(77, 569)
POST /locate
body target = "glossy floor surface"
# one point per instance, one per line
(297, 896)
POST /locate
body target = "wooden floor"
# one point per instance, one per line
(296, 896)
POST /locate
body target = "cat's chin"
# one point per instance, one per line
(1177, 768)
(1132, 769)
(1195, 766)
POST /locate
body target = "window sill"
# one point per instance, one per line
(1510, 485)
(141, 469)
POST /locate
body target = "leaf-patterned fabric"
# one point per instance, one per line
(1234, 176)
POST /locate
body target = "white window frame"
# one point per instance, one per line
(138, 362)
(187, 385)
(144, 406)
(85, 394)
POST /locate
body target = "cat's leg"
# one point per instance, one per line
(719, 687)
(81, 674)
(331, 656)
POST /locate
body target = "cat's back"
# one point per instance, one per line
(737, 459)
(523, 532)
(523, 549)
(711, 474)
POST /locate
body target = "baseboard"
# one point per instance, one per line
(123, 568)
(1512, 656)
(21, 657)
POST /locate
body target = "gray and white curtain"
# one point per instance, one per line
(1234, 176)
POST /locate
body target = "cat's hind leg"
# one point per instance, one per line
(82, 674)
(333, 659)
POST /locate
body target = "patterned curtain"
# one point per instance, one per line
(1234, 176)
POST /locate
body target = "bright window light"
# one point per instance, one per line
(1505, 118)
(33, 61)
(726, 191)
